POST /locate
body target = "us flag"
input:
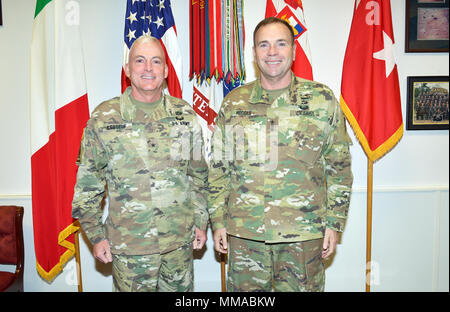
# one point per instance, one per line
(154, 18)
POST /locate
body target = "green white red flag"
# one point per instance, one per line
(59, 112)
(370, 93)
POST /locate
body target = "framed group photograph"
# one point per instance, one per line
(427, 26)
(427, 106)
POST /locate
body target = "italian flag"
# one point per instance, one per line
(59, 111)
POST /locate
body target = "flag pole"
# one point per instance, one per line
(77, 256)
(369, 221)
(222, 271)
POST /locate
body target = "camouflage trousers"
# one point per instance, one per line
(257, 266)
(169, 272)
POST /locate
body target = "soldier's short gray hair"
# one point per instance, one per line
(144, 39)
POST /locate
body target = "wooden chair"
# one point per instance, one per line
(11, 247)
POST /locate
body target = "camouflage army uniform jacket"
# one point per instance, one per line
(155, 187)
(296, 185)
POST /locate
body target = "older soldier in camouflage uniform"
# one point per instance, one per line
(281, 203)
(143, 149)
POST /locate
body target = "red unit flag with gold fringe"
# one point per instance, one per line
(370, 93)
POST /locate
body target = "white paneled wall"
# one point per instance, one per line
(410, 249)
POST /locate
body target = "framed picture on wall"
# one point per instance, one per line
(426, 26)
(1, 18)
(427, 106)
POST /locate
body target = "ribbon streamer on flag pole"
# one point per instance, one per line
(217, 40)
(370, 92)
(216, 55)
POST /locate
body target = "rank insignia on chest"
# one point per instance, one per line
(179, 115)
(304, 101)
(303, 105)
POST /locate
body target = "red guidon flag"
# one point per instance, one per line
(370, 93)
(292, 12)
(59, 112)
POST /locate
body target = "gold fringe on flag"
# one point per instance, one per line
(373, 155)
(65, 257)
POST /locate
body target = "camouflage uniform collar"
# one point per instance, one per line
(259, 95)
(130, 112)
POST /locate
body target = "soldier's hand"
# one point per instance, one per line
(329, 243)
(200, 239)
(102, 251)
(220, 240)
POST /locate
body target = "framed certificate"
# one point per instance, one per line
(426, 26)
